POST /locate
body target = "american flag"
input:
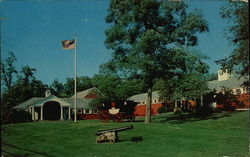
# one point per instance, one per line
(68, 44)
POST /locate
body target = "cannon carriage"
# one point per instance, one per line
(110, 135)
(118, 111)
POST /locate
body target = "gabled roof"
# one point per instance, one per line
(28, 103)
(52, 98)
(233, 82)
(86, 92)
(143, 97)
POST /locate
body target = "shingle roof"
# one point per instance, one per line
(233, 82)
(37, 102)
(27, 103)
(52, 98)
(81, 103)
(143, 97)
(84, 93)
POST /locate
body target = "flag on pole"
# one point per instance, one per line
(68, 44)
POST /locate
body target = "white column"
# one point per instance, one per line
(69, 114)
(41, 118)
(61, 113)
(32, 113)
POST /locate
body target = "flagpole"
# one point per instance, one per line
(75, 80)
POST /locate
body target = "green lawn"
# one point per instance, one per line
(221, 134)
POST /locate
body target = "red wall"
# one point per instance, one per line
(244, 98)
(89, 116)
(140, 110)
(91, 96)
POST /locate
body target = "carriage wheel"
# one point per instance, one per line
(104, 116)
(118, 117)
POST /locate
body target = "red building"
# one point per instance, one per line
(140, 109)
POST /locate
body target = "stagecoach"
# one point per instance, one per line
(117, 111)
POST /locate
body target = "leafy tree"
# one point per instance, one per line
(83, 83)
(107, 84)
(190, 84)
(26, 87)
(237, 13)
(57, 88)
(212, 76)
(8, 70)
(28, 74)
(145, 36)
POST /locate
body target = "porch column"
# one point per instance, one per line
(41, 118)
(69, 118)
(32, 113)
(61, 113)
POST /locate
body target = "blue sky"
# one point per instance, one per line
(33, 30)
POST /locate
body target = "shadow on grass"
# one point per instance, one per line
(191, 117)
(30, 152)
(133, 139)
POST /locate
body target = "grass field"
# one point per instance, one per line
(219, 135)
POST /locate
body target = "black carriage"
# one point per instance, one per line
(117, 111)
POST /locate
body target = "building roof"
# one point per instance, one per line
(66, 102)
(233, 82)
(85, 93)
(143, 97)
(28, 103)
(52, 98)
(81, 103)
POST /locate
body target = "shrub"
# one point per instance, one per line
(20, 116)
(162, 109)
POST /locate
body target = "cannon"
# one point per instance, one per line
(110, 135)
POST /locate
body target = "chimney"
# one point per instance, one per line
(47, 93)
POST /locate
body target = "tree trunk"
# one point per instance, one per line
(201, 99)
(148, 109)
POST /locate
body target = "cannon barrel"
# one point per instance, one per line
(114, 130)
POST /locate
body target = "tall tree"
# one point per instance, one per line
(8, 70)
(145, 35)
(57, 88)
(237, 13)
(28, 74)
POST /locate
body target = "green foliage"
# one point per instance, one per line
(212, 76)
(162, 109)
(25, 87)
(237, 14)
(8, 70)
(188, 83)
(116, 88)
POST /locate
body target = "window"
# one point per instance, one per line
(155, 101)
(87, 111)
(95, 111)
(238, 92)
(79, 111)
(247, 90)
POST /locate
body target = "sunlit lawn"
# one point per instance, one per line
(221, 134)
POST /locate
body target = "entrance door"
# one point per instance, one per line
(51, 110)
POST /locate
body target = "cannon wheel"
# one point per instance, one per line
(111, 141)
(104, 116)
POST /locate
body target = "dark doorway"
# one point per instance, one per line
(51, 111)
